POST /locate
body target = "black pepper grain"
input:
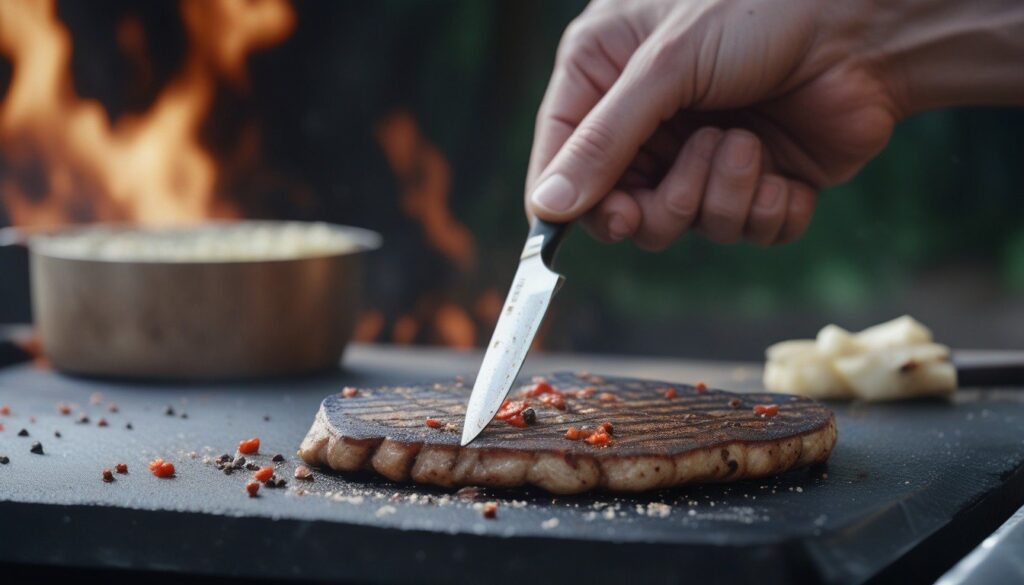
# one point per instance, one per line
(4, 459)
(529, 416)
(224, 458)
(239, 463)
(184, 415)
(266, 418)
(56, 434)
(82, 419)
(229, 470)
(23, 433)
(129, 426)
(169, 411)
(277, 458)
(251, 466)
(37, 448)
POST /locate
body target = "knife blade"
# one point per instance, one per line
(534, 285)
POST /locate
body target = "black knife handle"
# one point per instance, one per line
(553, 234)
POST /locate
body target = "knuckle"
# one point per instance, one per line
(578, 39)
(591, 144)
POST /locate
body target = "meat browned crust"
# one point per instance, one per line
(696, 436)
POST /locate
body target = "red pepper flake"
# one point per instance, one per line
(5, 410)
(303, 472)
(102, 422)
(670, 393)
(249, 446)
(573, 434)
(253, 488)
(766, 410)
(700, 387)
(600, 438)
(108, 476)
(511, 408)
(490, 510)
(539, 388)
(607, 397)
(517, 420)
(113, 408)
(586, 392)
(121, 468)
(64, 408)
(349, 392)
(606, 427)
(1, 427)
(434, 423)
(735, 403)
(264, 473)
(161, 468)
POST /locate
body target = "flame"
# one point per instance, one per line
(70, 162)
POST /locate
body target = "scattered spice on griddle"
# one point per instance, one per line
(607, 397)
(304, 473)
(470, 492)
(700, 387)
(102, 422)
(228, 470)
(511, 411)
(670, 393)
(37, 448)
(224, 458)
(434, 423)
(128, 426)
(281, 482)
(586, 392)
(607, 427)
(735, 403)
(263, 474)
(23, 433)
(121, 468)
(169, 411)
(546, 393)
(4, 459)
(56, 434)
(108, 476)
(266, 418)
(253, 489)
(249, 446)
(95, 398)
(277, 458)
(184, 415)
(573, 434)
(162, 469)
(529, 416)
(113, 408)
(349, 392)
(766, 410)
(251, 466)
(5, 410)
(64, 408)
(83, 419)
(599, 438)
(490, 510)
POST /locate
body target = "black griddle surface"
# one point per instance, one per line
(909, 489)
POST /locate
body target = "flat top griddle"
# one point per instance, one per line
(910, 488)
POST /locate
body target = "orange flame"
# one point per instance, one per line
(72, 163)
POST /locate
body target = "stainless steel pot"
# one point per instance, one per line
(196, 320)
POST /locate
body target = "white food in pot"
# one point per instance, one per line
(244, 241)
(893, 360)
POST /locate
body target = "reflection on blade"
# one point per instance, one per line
(520, 318)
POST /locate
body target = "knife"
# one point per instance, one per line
(527, 303)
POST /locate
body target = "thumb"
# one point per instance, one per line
(602, 146)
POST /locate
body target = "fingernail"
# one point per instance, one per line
(769, 196)
(740, 150)
(618, 229)
(555, 194)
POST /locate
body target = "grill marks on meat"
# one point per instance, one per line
(694, 437)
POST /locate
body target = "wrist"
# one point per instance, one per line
(940, 53)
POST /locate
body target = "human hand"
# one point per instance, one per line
(724, 116)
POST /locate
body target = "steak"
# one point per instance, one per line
(663, 435)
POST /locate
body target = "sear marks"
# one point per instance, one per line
(701, 435)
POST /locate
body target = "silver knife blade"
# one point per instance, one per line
(525, 307)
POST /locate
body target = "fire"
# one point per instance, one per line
(69, 162)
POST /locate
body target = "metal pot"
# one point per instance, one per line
(196, 320)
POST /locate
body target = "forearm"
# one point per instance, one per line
(942, 53)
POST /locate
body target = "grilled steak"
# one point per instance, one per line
(663, 435)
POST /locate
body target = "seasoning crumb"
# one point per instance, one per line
(102, 422)
(169, 411)
(95, 398)
(700, 387)
(108, 476)
(228, 470)
(56, 434)
(671, 393)
(530, 416)
(349, 392)
(37, 448)
(4, 459)
(113, 408)
(304, 473)
(434, 423)
(23, 433)
(32, 419)
(184, 415)
(277, 458)
(490, 510)
(162, 469)
(607, 397)
(735, 403)
(549, 524)
(5, 410)
(64, 408)
(266, 418)
(263, 474)
(121, 468)
(239, 463)
(249, 446)
(766, 410)
(128, 426)
(253, 488)
(82, 419)
(251, 466)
